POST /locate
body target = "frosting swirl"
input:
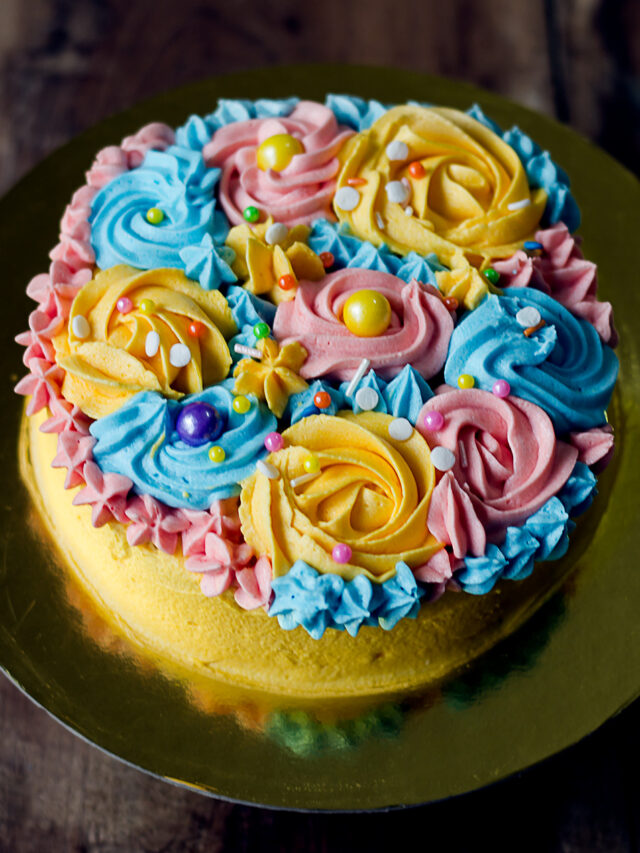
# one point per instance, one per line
(563, 367)
(466, 191)
(372, 493)
(140, 441)
(418, 333)
(299, 193)
(507, 465)
(113, 361)
(177, 182)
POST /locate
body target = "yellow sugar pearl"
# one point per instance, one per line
(241, 405)
(465, 380)
(277, 152)
(311, 464)
(217, 454)
(147, 306)
(367, 313)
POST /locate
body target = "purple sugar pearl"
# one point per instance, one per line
(433, 421)
(501, 388)
(341, 553)
(199, 423)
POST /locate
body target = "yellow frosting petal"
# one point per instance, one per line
(459, 208)
(111, 364)
(275, 377)
(372, 493)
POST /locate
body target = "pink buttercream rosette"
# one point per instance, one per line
(298, 194)
(508, 464)
(418, 334)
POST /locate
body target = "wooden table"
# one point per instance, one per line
(67, 65)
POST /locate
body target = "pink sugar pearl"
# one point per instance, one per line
(341, 553)
(433, 421)
(501, 388)
(124, 305)
(274, 442)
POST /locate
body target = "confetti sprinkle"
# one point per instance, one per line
(357, 376)
(442, 458)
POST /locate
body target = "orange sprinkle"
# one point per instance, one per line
(451, 303)
(528, 332)
(416, 169)
(287, 281)
(327, 259)
(356, 182)
(195, 329)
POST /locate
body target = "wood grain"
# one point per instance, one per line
(65, 65)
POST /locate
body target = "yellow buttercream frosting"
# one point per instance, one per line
(466, 196)
(261, 265)
(113, 358)
(371, 493)
(274, 378)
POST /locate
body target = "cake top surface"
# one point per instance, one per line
(345, 355)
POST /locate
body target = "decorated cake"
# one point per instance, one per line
(316, 390)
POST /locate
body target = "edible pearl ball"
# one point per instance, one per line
(199, 423)
(241, 405)
(278, 151)
(465, 380)
(433, 421)
(367, 313)
(274, 442)
(341, 553)
(501, 388)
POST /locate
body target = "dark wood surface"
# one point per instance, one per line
(64, 66)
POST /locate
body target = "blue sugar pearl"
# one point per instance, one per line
(199, 423)
(532, 245)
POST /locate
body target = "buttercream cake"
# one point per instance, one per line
(315, 390)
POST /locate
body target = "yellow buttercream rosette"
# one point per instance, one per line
(467, 198)
(107, 353)
(372, 493)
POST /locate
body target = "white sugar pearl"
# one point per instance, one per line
(80, 326)
(397, 150)
(400, 429)
(152, 344)
(442, 458)
(276, 233)
(397, 191)
(179, 355)
(367, 398)
(270, 471)
(527, 317)
(347, 198)
(518, 205)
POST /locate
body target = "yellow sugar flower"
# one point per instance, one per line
(275, 377)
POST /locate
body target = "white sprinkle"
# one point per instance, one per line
(80, 326)
(397, 191)
(252, 352)
(380, 221)
(179, 355)
(400, 429)
(408, 210)
(397, 150)
(367, 398)
(528, 316)
(152, 344)
(357, 376)
(347, 198)
(276, 233)
(463, 455)
(405, 181)
(304, 478)
(518, 205)
(442, 458)
(270, 471)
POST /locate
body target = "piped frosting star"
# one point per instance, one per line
(208, 264)
(275, 377)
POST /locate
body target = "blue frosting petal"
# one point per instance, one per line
(406, 394)
(481, 573)
(176, 181)
(139, 440)
(355, 112)
(319, 601)
(301, 405)
(247, 310)
(579, 490)
(208, 264)
(564, 367)
(371, 380)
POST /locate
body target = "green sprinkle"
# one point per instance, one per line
(492, 275)
(261, 330)
(155, 215)
(251, 214)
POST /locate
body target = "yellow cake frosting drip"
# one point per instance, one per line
(467, 199)
(275, 377)
(372, 493)
(109, 364)
(260, 265)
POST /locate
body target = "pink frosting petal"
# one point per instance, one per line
(453, 520)
(418, 334)
(595, 446)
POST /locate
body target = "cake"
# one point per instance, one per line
(316, 390)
